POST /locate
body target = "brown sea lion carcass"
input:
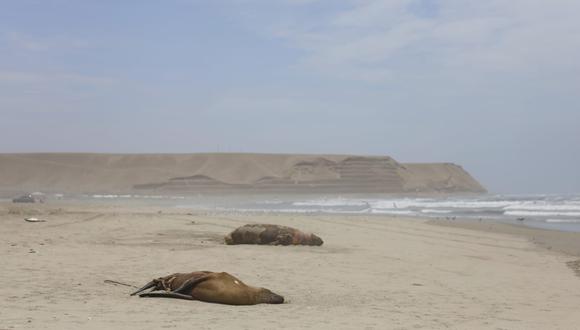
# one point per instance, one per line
(271, 235)
(221, 288)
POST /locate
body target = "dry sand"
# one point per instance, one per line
(371, 273)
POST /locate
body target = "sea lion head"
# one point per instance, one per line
(268, 297)
(315, 240)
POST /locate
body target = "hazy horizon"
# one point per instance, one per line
(492, 86)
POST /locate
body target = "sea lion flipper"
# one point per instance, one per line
(188, 285)
(166, 295)
(145, 287)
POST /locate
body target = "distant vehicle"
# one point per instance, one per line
(35, 197)
(24, 199)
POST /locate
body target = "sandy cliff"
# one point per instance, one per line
(217, 173)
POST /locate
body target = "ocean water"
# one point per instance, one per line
(558, 212)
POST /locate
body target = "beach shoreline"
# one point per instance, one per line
(372, 271)
(564, 242)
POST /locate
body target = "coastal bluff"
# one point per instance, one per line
(183, 174)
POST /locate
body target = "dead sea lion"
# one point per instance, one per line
(271, 235)
(221, 288)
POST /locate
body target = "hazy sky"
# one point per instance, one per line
(492, 85)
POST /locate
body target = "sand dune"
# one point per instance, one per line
(218, 173)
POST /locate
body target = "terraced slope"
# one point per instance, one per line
(227, 173)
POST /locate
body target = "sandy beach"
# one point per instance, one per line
(373, 272)
(431, 145)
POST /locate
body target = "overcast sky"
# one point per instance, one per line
(492, 85)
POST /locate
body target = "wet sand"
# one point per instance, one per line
(373, 272)
(558, 241)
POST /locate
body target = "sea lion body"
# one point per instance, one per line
(221, 288)
(265, 234)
